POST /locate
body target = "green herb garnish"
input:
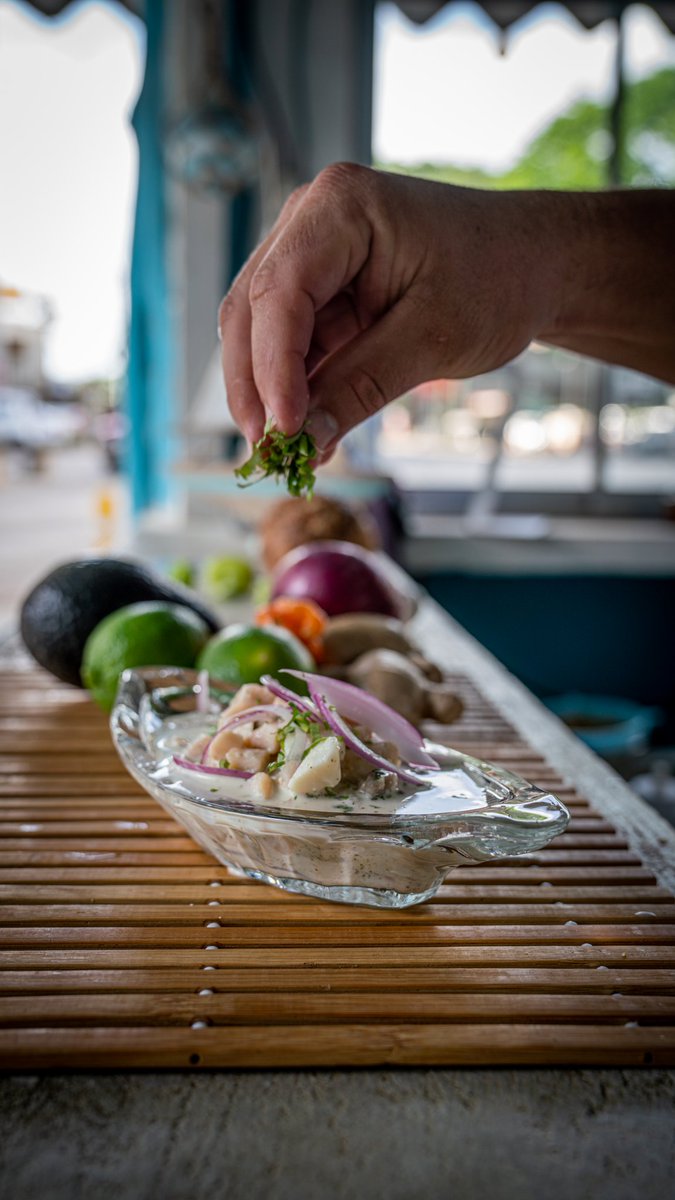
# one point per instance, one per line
(298, 720)
(284, 457)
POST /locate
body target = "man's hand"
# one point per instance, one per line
(372, 283)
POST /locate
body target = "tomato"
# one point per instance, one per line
(304, 618)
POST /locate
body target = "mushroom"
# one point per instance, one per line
(347, 637)
(427, 668)
(399, 682)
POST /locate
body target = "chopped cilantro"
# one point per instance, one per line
(299, 720)
(283, 456)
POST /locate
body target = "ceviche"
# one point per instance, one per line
(329, 794)
(338, 743)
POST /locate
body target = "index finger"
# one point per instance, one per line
(319, 252)
(234, 327)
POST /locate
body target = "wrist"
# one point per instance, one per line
(611, 289)
(560, 259)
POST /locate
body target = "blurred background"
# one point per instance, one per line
(144, 149)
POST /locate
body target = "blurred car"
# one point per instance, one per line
(29, 423)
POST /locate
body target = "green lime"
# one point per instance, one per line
(226, 577)
(261, 590)
(242, 653)
(182, 571)
(140, 635)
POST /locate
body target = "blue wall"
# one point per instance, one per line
(606, 635)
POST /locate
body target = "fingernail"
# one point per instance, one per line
(251, 429)
(323, 427)
(253, 434)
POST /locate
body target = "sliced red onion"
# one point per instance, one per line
(188, 765)
(243, 718)
(359, 706)
(255, 713)
(284, 693)
(203, 698)
(345, 731)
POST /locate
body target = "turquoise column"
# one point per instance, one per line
(150, 394)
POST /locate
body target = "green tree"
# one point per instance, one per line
(573, 151)
(443, 172)
(650, 124)
(570, 153)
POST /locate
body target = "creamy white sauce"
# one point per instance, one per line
(446, 791)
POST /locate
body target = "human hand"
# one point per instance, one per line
(371, 283)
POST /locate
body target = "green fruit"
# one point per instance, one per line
(226, 577)
(242, 653)
(261, 590)
(67, 605)
(183, 572)
(140, 635)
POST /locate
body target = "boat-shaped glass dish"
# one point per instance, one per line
(390, 851)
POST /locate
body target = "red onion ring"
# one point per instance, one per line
(243, 717)
(188, 765)
(359, 706)
(284, 693)
(253, 714)
(343, 730)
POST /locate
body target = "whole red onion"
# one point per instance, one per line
(338, 576)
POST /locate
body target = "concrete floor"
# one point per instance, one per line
(347, 1135)
(53, 515)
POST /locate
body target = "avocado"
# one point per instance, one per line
(61, 611)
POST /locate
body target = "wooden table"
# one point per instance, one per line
(405, 1133)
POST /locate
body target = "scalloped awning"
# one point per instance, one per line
(505, 12)
(52, 8)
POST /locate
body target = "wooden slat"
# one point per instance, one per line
(301, 978)
(307, 1045)
(251, 893)
(122, 944)
(461, 916)
(494, 876)
(489, 976)
(431, 936)
(253, 1008)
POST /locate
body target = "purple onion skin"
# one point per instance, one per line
(188, 765)
(339, 581)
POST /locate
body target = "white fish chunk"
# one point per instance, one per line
(319, 769)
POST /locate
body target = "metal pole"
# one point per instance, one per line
(615, 166)
(615, 175)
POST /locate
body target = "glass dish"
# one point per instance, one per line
(391, 856)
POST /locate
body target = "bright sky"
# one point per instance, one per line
(68, 161)
(443, 92)
(68, 156)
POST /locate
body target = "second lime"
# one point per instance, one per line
(242, 653)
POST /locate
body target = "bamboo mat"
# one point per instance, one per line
(123, 945)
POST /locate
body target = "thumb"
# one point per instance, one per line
(363, 377)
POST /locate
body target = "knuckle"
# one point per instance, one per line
(225, 310)
(343, 179)
(366, 391)
(341, 172)
(293, 201)
(262, 283)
